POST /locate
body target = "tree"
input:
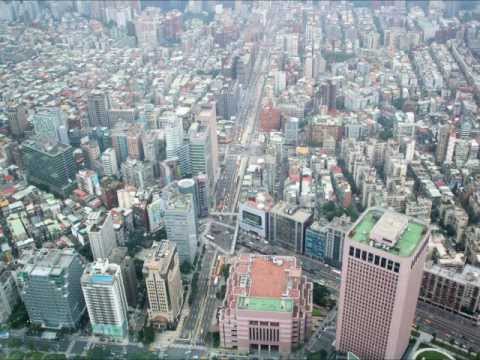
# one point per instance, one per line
(148, 335)
(225, 270)
(321, 295)
(319, 355)
(186, 267)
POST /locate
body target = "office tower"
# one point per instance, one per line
(163, 280)
(187, 186)
(267, 305)
(208, 117)
(201, 150)
(184, 161)
(87, 181)
(109, 162)
(201, 182)
(443, 135)
(50, 167)
(91, 149)
(50, 125)
(119, 256)
(287, 226)
(383, 261)
(98, 105)
(138, 173)
(148, 28)
(181, 224)
(49, 284)
(173, 135)
(291, 131)
(134, 142)
(120, 142)
(325, 242)
(104, 292)
(101, 235)
(8, 293)
(17, 116)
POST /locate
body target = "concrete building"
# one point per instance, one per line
(181, 224)
(8, 293)
(267, 305)
(49, 284)
(139, 174)
(50, 167)
(287, 226)
(50, 125)
(87, 180)
(208, 117)
(102, 235)
(119, 256)
(202, 153)
(104, 292)
(453, 291)
(163, 280)
(98, 104)
(109, 162)
(17, 116)
(383, 259)
(254, 214)
(326, 242)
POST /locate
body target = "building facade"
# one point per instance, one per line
(383, 260)
(104, 292)
(164, 284)
(267, 305)
(49, 284)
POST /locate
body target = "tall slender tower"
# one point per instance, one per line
(104, 292)
(164, 284)
(383, 261)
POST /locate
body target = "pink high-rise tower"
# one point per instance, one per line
(383, 259)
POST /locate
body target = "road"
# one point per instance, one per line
(190, 323)
(448, 326)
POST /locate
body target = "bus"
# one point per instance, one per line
(209, 237)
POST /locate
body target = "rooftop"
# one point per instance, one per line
(408, 239)
(265, 304)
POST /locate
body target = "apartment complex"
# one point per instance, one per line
(164, 284)
(267, 306)
(104, 292)
(102, 235)
(452, 290)
(49, 284)
(383, 260)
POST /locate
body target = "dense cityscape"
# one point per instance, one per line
(233, 179)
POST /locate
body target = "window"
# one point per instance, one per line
(357, 253)
(396, 267)
(383, 262)
(390, 265)
(377, 260)
(364, 255)
(352, 250)
(370, 257)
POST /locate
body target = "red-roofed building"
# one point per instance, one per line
(267, 306)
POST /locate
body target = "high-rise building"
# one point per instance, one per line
(119, 256)
(17, 119)
(181, 224)
(164, 284)
(173, 135)
(109, 162)
(287, 226)
(383, 261)
(87, 181)
(50, 125)
(201, 153)
(49, 284)
(8, 293)
(104, 292)
(201, 182)
(98, 105)
(443, 135)
(138, 173)
(454, 290)
(50, 167)
(267, 305)
(208, 117)
(102, 235)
